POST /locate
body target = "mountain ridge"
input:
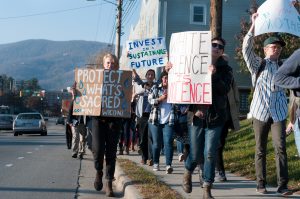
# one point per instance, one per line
(51, 62)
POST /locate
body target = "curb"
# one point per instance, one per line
(125, 184)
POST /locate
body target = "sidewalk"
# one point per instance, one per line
(235, 188)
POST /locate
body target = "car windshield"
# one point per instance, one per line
(29, 116)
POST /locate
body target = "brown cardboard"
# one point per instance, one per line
(103, 92)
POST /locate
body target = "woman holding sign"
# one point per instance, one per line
(142, 113)
(106, 132)
(205, 122)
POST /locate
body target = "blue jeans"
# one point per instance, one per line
(162, 133)
(204, 143)
(180, 147)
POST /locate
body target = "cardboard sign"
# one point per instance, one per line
(147, 53)
(188, 80)
(277, 16)
(103, 92)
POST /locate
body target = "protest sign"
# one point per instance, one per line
(147, 53)
(188, 80)
(103, 92)
(277, 16)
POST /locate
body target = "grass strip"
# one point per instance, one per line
(146, 182)
(239, 156)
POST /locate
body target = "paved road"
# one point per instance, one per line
(34, 166)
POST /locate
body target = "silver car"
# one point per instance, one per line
(6, 122)
(29, 123)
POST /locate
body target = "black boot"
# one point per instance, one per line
(207, 192)
(98, 181)
(109, 191)
(187, 181)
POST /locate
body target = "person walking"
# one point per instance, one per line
(288, 76)
(233, 101)
(205, 122)
(78, 128)
(142, 111)
(161, 123)
(105, 133)
(268, 109)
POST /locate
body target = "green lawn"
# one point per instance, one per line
(239, 156)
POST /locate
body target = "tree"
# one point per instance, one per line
(292, 42)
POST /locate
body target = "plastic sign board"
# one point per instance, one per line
(277, 16)
(147, 53)
(104, 93)
(188, 80)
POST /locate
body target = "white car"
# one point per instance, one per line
(29, 123)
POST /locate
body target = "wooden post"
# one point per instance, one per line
(216, 7)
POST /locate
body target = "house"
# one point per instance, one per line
(164, 17)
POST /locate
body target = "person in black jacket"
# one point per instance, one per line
(106, 132)
(205, 122)
(77, 124)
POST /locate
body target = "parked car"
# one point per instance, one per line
(29, 123)
(60, 120)
(6, 122)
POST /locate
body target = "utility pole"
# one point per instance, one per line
(119, 29)
(216, 7)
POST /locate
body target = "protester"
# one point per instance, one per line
(128, 134)
(161, 123)
(106, 131)
(233, 101)
(181, 131)
(142, 113)
(288, 76)
(78, 128)
(268, 109)
(205, 122)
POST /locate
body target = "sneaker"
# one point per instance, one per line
(181, 157)
(261, 188)
(169, 169)
(81, 156)
(222, 176)
(155, 167)
(150, 163)
(284, 191)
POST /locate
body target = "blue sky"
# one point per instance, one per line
(64, 20)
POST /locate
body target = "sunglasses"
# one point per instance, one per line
(219, 46)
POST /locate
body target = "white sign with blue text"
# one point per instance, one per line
(277, 16)
(147, 53)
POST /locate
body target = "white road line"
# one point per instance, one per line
(9, 165)
(20, 158)
(29, 152)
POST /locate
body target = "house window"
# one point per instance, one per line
(198, 14)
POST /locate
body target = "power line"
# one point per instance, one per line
(50, 12)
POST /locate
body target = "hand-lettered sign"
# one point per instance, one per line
(147, 53)
(277, 16)
(188, 80)
(103, 92)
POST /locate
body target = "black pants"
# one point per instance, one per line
(105, 140)
(219, 157)
(142, 126)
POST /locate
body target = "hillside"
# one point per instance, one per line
(51, 62)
